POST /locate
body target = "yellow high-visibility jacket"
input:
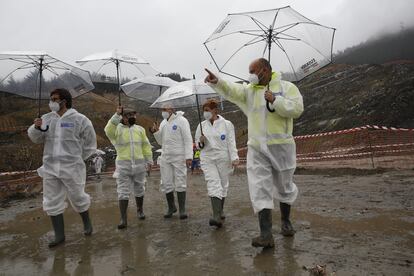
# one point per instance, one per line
(131, 143)
(264, 126)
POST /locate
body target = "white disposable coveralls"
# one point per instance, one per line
(133, 154)
(69, 141)
(175, 138)
(217, 155)
(271, 156)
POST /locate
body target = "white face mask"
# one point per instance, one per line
(54, 106)
(253, 79)
(207, 115)
(165, 114)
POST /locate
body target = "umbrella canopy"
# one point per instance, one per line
(294, 44)
(28, 74)
(106, 67)
(147, 89)
(185, 94)
(20, 74)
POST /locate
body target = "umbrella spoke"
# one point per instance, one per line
(287, 56)
(284, 38)
(286, 27)
(249, 33)
(240, 48)
(105, 63)
(139, 69)
(262, 26)
(21, 67)
(18, 60)
(274, 19)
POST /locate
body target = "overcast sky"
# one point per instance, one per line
(170, 33)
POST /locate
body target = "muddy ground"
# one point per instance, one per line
(355, 223)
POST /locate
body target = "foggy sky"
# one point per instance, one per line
(170, 33)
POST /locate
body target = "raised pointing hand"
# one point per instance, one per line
(211, 78)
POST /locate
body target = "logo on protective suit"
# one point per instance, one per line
(174, 127)
(223, 137)
(67, 124)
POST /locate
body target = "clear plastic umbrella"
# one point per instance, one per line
(147, 89)
(294, 44)
(186, 94)
(101, 64)
(28, 74)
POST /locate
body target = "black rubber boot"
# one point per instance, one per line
(140, 207)
(266, 238)
(59, 228)
(286, 228)
(123, 208)
(216, 206)
(171, 205)
(222, 208)
(87, 225)
(181, 204)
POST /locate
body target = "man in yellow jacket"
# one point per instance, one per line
(134, 157)
(271, 155)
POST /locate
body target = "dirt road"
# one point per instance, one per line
(356, 224)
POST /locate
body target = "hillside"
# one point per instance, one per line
(381, 49)
(344, 96)
(336, 97)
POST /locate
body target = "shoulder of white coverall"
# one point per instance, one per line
(163, 122)
(49, 115)
(85, 121)
(179, 114)
(180, 118)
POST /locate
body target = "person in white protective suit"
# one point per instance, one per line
(218, 157)
(174, 135)
(134, 158)
(98, 162)
(271, 155)
(69, 140)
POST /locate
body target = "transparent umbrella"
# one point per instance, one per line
(28, 74)
(294, 44)
(186, 94)
(128, 66)
(147, 89)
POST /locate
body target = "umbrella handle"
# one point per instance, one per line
(201, 145)
(268, 107)
(43, 130)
